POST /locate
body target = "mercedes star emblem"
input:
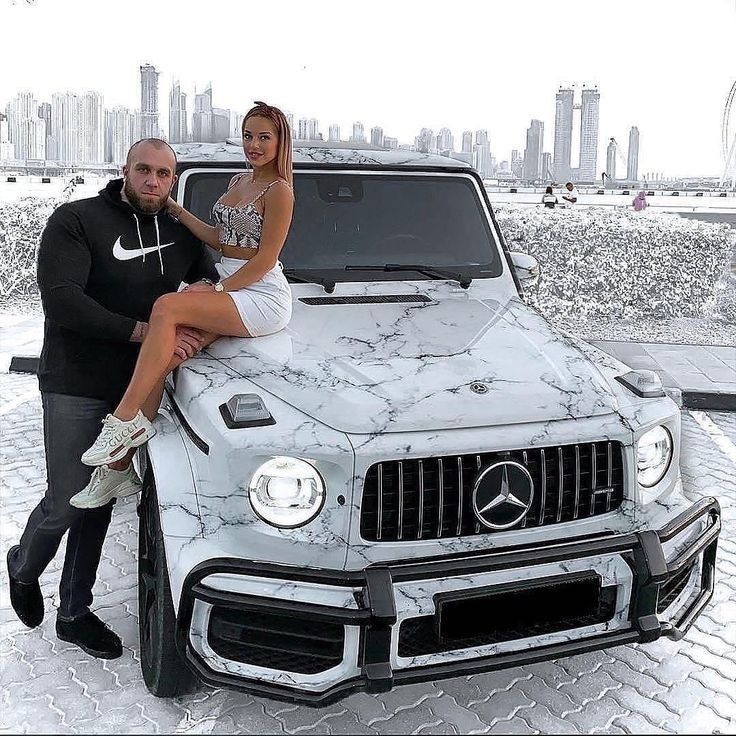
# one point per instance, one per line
(503, 494)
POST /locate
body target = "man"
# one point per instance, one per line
(102, 263)
(571, 195)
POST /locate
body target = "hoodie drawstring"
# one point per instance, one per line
(158, 244)
(158, 241)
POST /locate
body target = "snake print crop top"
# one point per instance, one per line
(239, 224)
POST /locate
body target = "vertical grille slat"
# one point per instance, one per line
(543, 492)
(560, 484)
(401, 500)
(420, 523)
(436, 493)
(460, 503)
(577, 482)
(593, 477)
(441, 500)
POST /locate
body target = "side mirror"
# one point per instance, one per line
(527, 268)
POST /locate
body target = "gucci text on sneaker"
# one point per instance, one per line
(117, 437)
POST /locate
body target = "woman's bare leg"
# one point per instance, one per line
(152, 403)
(208, 311)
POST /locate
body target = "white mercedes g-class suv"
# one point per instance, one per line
(419, 477)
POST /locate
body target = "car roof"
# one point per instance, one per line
(343, 154)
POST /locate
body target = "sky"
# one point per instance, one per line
(665, 66)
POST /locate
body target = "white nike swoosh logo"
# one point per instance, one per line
(124, 254)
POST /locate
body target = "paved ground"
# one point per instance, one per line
(693, 368)
(52, 687)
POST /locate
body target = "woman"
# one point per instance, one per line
(548, 198)
(640, 201)
(252, 297)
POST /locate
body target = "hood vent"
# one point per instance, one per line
(321, 301)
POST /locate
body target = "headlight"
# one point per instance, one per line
(286, 492)
(653, 455)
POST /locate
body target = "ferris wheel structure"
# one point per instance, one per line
(728, 140)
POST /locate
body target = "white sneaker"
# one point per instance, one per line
(117, 437)
(106, 484)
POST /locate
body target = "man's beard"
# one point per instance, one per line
(148, 206)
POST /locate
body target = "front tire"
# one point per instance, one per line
(165, 672)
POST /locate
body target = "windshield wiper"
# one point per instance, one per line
(431, 271)
(307, 277)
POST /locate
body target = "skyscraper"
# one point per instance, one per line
(202, 123)
(313, 133)
(467, 141)
(120, 133)
(563, 134)
(334, 132)
(445, 140)
(303, 129)
(611, 158)
(546, 167)
(65, 127)
(425, 142)
(92, 128)
(6, 147)
(377, 136)
(149, 102)
(632, 161)
(178, 132)
(44, 112)
(532, 168)
(22, 107)
(589, 113)
(391, 143)
(358, 133)
(220, 124)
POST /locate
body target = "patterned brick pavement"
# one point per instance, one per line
(52, 687)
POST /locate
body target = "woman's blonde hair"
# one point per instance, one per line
(283, 153)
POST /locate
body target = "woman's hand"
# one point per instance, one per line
(199, 286)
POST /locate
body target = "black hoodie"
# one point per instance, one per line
(101, 266)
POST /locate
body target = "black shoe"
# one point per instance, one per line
(25, 598)
(91, 635)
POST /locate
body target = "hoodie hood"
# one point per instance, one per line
(112, 193)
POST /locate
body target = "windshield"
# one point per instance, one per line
(359, 219)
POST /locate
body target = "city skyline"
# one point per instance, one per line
(427, 78)
(86, 135)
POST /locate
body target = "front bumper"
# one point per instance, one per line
(658, 582)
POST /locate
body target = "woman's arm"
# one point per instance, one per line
(279, 206)
(206, 233)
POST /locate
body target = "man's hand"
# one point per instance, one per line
(189, 342)
(199, 286)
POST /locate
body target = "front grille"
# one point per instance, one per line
(672, 587)
(508, 616)
(278, 642)
(431, 498)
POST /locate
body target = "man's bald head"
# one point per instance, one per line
(156, 143)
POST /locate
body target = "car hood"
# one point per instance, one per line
(455, 361)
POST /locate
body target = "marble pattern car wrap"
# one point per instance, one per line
(232, 151)
(222, 475)
(385, 368)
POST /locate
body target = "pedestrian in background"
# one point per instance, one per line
(570, 195)
(549, 199)
(640, 201)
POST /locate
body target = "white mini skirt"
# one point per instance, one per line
(265, 306)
